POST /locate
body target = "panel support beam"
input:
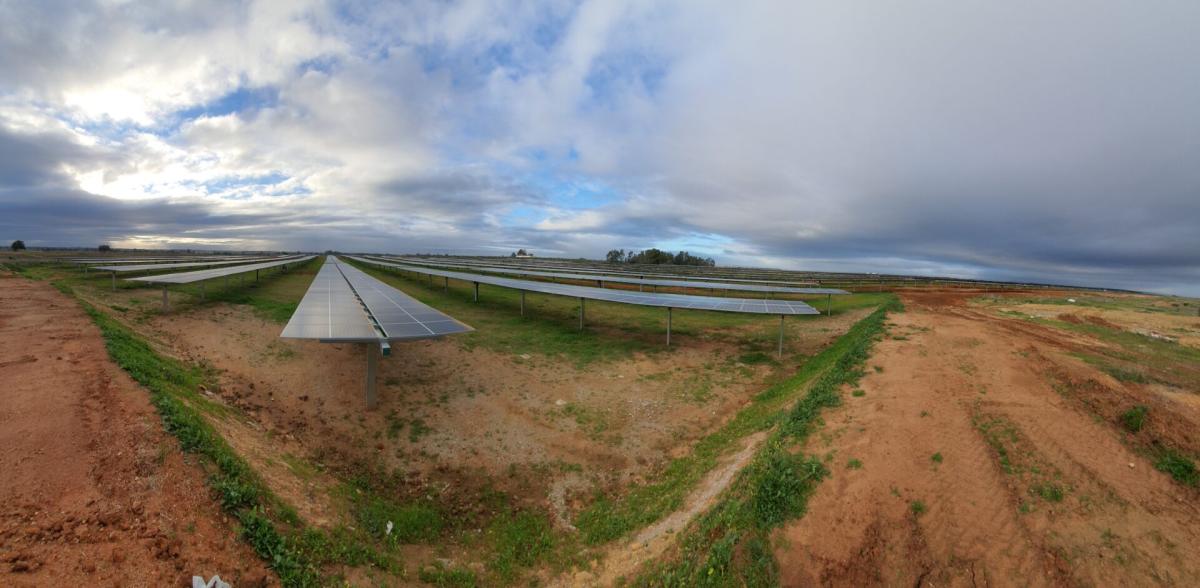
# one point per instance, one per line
(668, 326)
(581, 314)
(829, 305)
(522, 303)
(476, 291)
(781, 336)
(372, 366)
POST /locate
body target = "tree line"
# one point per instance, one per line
(654, 256)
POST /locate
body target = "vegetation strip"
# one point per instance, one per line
(729, 544)
(295, 553)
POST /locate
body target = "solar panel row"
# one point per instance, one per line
(345, 304)
(740, 305)
(664, 283)
(597, 268)
(143, 267)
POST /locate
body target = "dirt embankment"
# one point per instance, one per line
(962, 464)
(92, 491)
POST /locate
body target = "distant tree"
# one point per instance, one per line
(105, 248)
(615, 256)
(654, 256)
(18, 245)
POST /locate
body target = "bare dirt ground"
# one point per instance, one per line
(973, 467)
(92, 491)
(539, 428)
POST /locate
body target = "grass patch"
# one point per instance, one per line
(858, 393)
(917, 507)
(1135, 418)
(936, 458)
(520, 540)
(730, 543)
(398, 523)
(854, 464)
(440, 575)
(1048, 491)
(1178, 465)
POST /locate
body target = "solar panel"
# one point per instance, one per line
(344, 304)
(665, 283)
(94, 260)
(208, 274)
(740, 305)
(174, 265)
(544, 265)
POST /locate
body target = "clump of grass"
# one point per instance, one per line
(854, 464)
(440, 575)
(783, 487)
(917, 507)
(755, 357)
(411, 523)
(858, 393)
(1048, 491)
(417, 429)
(1125, 375)
(1135, 418)
(1179, 466)
(936, 458)
(520, 540)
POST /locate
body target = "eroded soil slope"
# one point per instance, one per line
(92, 492)
(975, 456)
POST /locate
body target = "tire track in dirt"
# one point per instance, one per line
(913, 409)
(1116, 524)
(624, 559)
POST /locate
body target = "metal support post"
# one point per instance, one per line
(114, 281)
(255, 275)
(668, 326)
(580, 314)
(372, 366)
(522, 303)
(829, 304)
(781, 336)
(476, 291)
(166, 305)
(446, 285)
(202, 290)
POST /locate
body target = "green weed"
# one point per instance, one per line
(1135, 418)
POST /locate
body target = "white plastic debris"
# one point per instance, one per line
(1071, 300)
(215, 582)
(389, 528)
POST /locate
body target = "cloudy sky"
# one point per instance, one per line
(1055, 141)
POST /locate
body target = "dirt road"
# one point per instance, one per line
(961, 464)
(92, 492)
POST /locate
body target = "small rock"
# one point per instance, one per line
(560, 402)
(1131, 465)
